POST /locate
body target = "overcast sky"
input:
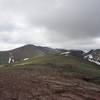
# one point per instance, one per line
(70, 24)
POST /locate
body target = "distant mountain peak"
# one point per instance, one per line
(26, 51)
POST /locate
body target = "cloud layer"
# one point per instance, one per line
(72, 24)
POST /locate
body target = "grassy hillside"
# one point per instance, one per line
(65, 65)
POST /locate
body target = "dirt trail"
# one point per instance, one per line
(27, 85)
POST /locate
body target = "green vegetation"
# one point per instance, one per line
(59, 64)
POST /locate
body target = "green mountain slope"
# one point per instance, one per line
(66, 65)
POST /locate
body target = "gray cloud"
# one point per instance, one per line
(56, 23)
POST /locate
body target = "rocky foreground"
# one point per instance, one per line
(31, 85)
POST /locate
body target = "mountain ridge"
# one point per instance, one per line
(28, 51)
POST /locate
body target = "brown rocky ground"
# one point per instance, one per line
(31, 85)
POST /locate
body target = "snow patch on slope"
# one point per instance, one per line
(96, 62)
(65, 53)
(89, 56)
(26, 59)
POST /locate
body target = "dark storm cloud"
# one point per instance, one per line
(75, 19)
(56, 23)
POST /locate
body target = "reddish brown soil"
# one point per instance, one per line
(27, 85)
